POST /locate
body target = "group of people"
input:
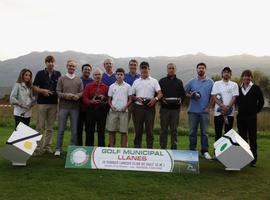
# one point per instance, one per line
(116, 96)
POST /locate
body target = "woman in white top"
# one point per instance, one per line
(21, 97)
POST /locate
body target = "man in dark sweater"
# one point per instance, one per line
(250, 102)
(45, 86)
(173, 94)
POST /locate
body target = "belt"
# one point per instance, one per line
(172, 98)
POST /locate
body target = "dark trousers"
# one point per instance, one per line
(247, 128)
(81, 124)
(220, 124)
(169, 118)
(143, 116)
(25, 120)
(96, 118)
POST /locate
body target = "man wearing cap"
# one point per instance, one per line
(144, 90)
(224, 93)
(198, 90)
(173, 94)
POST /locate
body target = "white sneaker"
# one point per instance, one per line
(57, 153)
(207, 156)
(18, 164)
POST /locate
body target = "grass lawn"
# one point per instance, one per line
(45, 177)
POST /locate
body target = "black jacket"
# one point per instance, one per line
(171, 87)
(251, 103)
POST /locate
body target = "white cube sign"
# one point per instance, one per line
(21, 145)
(233, 151)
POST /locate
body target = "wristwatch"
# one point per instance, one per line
(156, 98)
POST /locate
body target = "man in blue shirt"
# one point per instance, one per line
(132, 75)
(108, 77)
(86, 71)
(199, 91)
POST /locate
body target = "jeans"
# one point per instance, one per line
(196, 119)
(169, 118)
(63, 116)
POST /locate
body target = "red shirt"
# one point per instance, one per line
(92, 90)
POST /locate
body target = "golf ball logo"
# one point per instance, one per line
(28, 145)
(79, 157)
(223, 147)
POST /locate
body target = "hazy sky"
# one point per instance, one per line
(130, 28)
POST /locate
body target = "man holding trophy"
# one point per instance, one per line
(119, 100)
(173, 94)
(224, 93)
(198, 90)
(95, 97)
(44, 85)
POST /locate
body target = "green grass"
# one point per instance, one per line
(45, 177)
(7, 120)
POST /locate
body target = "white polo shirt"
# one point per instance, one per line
(145, 88)
(227, 91)
(119, 94)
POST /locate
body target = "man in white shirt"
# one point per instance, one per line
(147, 92)
(119, 100)
(224, 93)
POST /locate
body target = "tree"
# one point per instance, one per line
(216, 77)
(263, 81)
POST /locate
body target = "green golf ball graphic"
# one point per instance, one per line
(223, 147)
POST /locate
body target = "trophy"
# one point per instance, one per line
(225, 115)
(196, 95)
(145, 101)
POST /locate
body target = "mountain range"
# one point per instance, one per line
(186, 64)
